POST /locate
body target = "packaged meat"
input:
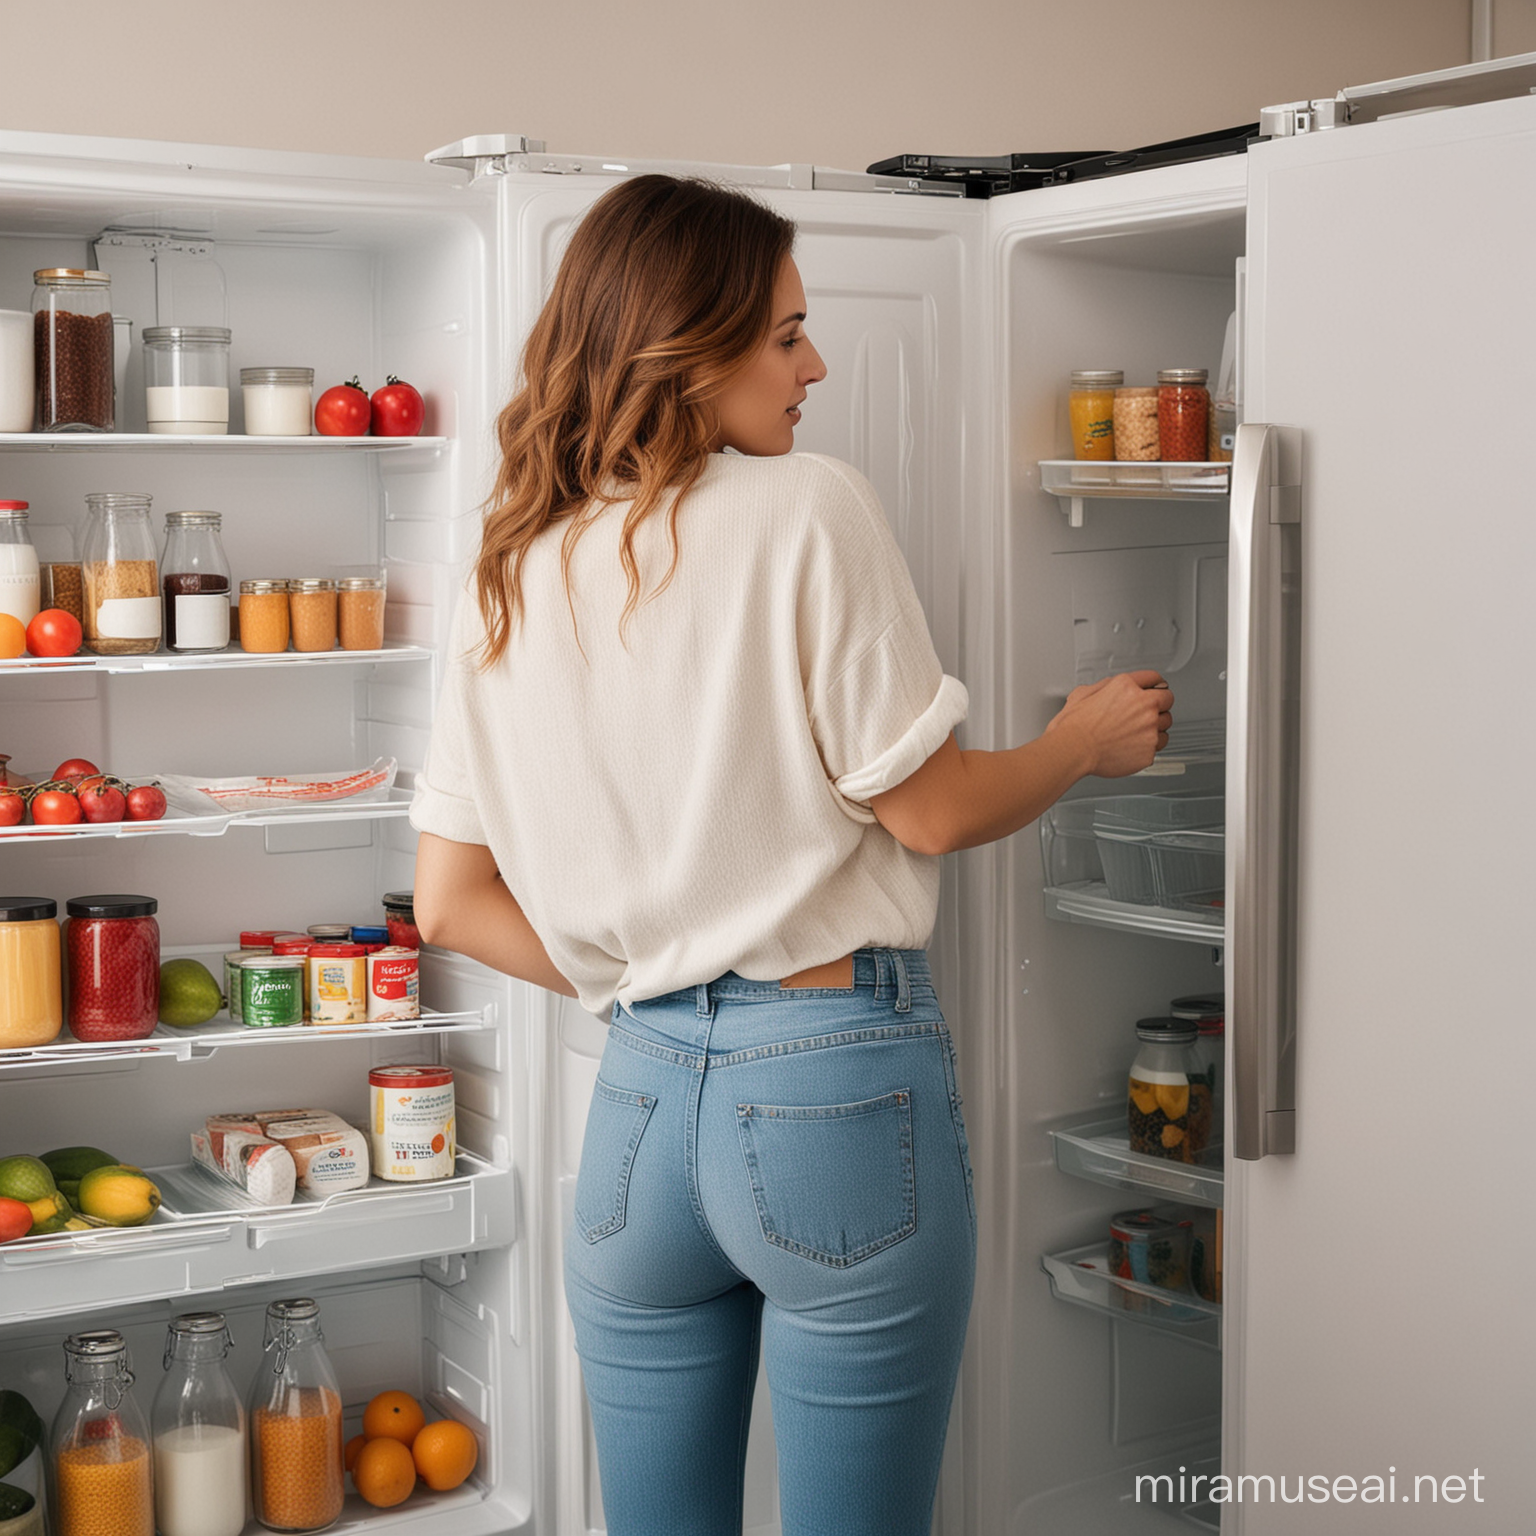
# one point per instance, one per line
(262, 1168)
(328, 1154)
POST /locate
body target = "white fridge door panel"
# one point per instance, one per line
(1392, 319)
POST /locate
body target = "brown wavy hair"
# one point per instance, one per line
(663, 295)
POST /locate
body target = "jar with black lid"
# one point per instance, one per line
(72, 350)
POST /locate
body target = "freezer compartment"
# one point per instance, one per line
(432, 1331)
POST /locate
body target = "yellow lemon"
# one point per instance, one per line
(119, 1196)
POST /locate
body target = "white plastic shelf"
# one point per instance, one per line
(234, 442)
(204, 1239)
(1078, 480)
(1082, 1277)
(1101, 1151)
(1091, 903)
(233, 656)
(223, 1033)
(214, 823)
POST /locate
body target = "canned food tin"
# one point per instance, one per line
(298, 944)
(394, 988)
(330, 933)
(338, 984)
(411, 1123)
(1151, 1250)
(371, 938)
(232, 961)
(271, 991)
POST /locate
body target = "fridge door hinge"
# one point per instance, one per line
(483, 154)
(1465, 85)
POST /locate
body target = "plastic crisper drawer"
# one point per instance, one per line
(207, 1236)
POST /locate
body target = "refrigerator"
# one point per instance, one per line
(1339, 613)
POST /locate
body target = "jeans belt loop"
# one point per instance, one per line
(903, 986)
(883, 977)
(704, 1006)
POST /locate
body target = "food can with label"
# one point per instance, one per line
(338, 984)
(232, 961)
(300, 945)
(271, 991)
(394, 988)
(411, 1123)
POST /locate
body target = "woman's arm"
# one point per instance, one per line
(462, 904)
(963, 799)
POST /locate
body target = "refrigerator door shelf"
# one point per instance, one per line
(169, 661)
(1100, 1151)
(1081, 1276)
(202, 1040)
(235, 442)
(192, 1250)
(1077, 480)
(1091, 903)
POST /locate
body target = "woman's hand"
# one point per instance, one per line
(1124, 721)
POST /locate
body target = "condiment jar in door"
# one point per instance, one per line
(295, 1419)
(198, 1425)
(1169, 1099)
(99, 1450)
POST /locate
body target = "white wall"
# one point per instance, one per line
(840, 82)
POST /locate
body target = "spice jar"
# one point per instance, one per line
(112, 944)
(1091, 410)
(1183, 414)
(264, 624)
(195, 578)
(19, 593)
(312, 610)
(1169, 1099)
(277, 401)
(72, 350)
(31, 1002)
(99, 1446)
(360, 612)
(295, 1419)
(1136, 438)
(198, 1425)
(186, 379)
(400, 919)
(121, 578)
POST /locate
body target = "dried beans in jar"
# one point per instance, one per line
(1183, 414)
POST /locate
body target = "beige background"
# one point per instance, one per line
(838, 82)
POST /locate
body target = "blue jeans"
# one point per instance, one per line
(785, 1166)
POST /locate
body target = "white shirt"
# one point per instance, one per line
(693, 798)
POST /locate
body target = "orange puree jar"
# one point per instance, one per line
(312, 607)
(360, 612)
(31, 1003)
(264, 616)
(1091, 409)
(103, 1480)
(296, 1440)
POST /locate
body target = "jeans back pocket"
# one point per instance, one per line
(615, 1123)
(833, 1183)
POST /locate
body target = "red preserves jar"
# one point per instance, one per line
(1183, 414)
(112, 945)
(400, 918)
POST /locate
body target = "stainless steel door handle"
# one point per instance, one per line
(1262, 766)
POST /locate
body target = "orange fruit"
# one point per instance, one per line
(445, 1453)
(384, 1473)
(350, 1449)
(393, 1416)
(13, 637)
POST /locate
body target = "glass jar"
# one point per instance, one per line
(1136, 436)
(1183, 414)
(31, 997)
(60, 584)
(120, 576)
(194, 576)
(400, 919)
(312, 610)
(277, 401)
(19, 591)
(197, 1425)
(1091, 409)
(103, 1479)
(72, 350)
(264, 622)
(1149, 1249)
(186, 379)
(295, 1417)
(1168, 1099)
(360, 612)
(1207, 1011)
(112, 945)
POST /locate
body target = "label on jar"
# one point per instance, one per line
(129, 618)
(202, 622)
(393, 985)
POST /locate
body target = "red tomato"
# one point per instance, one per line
(12, 807)
(146, 802)
(100, 801)
(398, 410)
(342, 411)
(55, 808)
(53, 632)
(15, 1219)
(75, 768)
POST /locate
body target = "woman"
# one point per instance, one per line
(694, 765)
